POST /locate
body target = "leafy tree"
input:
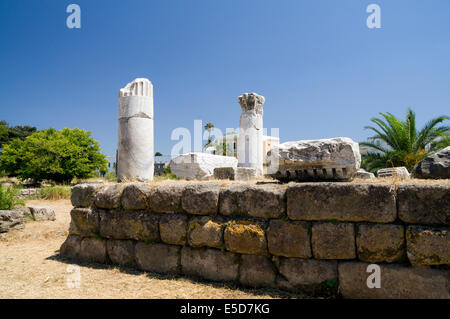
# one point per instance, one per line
(53, 155)
(158, 154)
(8, 133)
(401, 143)
(208, 127)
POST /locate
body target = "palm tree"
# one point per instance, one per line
(399, 143)
(208, 127)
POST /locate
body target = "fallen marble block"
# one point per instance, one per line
(42, 212)
(11, 219)
(400, 172)
(437, 165)
(363, 174)
(246, 173)
(200, 166)
(325, 159)
(224, 173)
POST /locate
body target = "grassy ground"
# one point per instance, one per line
(30, 267)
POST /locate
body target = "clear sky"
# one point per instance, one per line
(322, 71)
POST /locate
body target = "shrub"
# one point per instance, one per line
(8, 197)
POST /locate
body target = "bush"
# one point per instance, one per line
(53, 155)
(55, 192)
(8, 197)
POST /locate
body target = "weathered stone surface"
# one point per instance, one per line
(11, 219)
(245, 237)
(159, 258)
(209, 264)
(437, 165)
(129, 225)
(199, 166)
(83, 195)
(135, 153)
(289, 239)
(201, 198)
(246, 173)
(326, 159)
(71, 247)
(399, 172)
(206, 232)
(333, 241)
(381, 243)
(93, 249)
(224, 173)
(84, 222)
(172, 229)
(424, 204)
(341, 201)
(109, 196)
(363, 174)
(305, 274)
(42, 212)
(257, 271)
(428, 246)
(265, 201)
(166, 198)
(397, 282)
(28, 192)
(134, 196)
(121, 252)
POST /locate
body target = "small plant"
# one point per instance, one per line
(54, 192)
(9, 197)
(332, 284)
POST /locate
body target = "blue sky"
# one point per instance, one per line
(322, 71)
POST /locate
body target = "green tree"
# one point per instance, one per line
(8, 133)
(208, 127)
(399, 143)
(158, 154)
(53, 155)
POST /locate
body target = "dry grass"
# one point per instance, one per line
(31, 268)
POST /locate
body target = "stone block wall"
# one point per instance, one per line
(311, 237)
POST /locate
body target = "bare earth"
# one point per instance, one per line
(30, 267)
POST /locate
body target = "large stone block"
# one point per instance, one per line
(93, 249)
(289, 239)
(11, 219)
(159, 258)
(206, 232)
(308, 275)
(333, 241)
(134, 196)
(245, 237)
(257, 271)
(397, 282)
(209, 264)
(398, 172)
(166, 198)
(246, 173)
(173, 228)
(265, 201)
(201, 198)
(424, 204)
(224, 173)
(199, 166)
(71, 247)
(84, 222)
(42, 213)
(109, 196)
(341, 201)
(381, 243)
(428, 246)
(129, 225)
(83, 195)
(121, 252)
(437, 165)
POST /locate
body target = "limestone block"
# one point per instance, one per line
(173, 228)
(199, 166)
(224, 173)
(326, 159)
(428, 246)
(159, 258)
(246, 173)
(363, 174)
(424, 204)
(134, 196)
(399, 172)
(381, 243)
(245, 237)
(257, 271)
(11, 219)
(93, 249)
(121, 252)
(166, 198)
(201, 198)
(264, 201)
(289, 239)
(210, 264)
(435, 166)
(129, 225)
(206, 232)
(42, 213)
(333, 241)
(71, 247)
(109, 196)
(84, 222)
(341, 201)
(83, 195)
(397, 282)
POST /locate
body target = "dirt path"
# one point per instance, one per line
(30, 267)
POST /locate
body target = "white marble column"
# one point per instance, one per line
(250, 143)
(135, 158)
